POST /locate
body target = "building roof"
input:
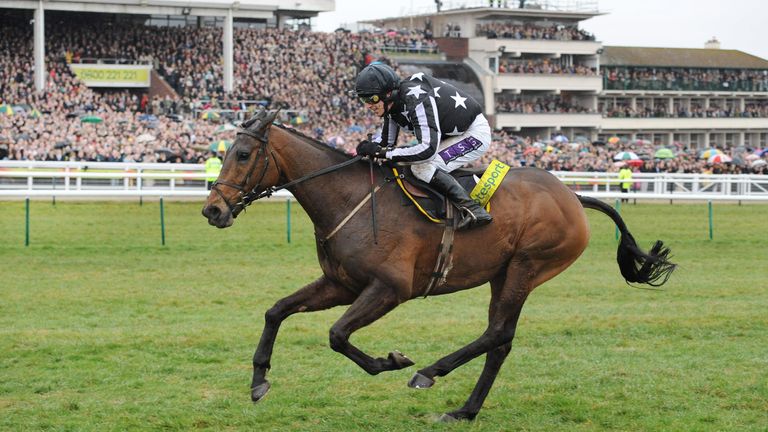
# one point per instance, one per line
(239, 8)
(680, 57)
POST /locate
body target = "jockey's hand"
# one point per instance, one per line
(368, 148)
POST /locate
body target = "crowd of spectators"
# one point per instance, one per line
(538, 105)
(697, 110)
(680, 79)
(543, 66)
(560, 154)
(308, 74)
(507, 30)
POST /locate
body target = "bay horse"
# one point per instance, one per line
(539, 229)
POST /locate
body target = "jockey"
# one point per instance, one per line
(449, 126)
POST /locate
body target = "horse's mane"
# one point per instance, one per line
(313, 141)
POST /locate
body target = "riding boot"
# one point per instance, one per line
(472, 214)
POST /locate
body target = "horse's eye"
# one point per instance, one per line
(243, 155)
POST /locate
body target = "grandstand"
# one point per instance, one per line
(149, 81)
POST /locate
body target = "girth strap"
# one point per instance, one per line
(444, 261)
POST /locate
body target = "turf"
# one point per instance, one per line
(103, 328)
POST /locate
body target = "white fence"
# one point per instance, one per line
(99, 180)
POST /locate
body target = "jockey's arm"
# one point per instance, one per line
(423, 115)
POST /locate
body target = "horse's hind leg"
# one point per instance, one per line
(493, 361)
(320, 294)
(373, 303)
(508, 294)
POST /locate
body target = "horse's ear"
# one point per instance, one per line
(257, 119)
(271, 118)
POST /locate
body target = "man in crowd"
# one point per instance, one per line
(625, 177)
(212, 169)
(450, 129)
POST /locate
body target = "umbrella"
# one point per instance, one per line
(598, 143)
(614, 140)
(355, 128)
(226, 127)
(298, 120)
(634, 162)
(168, 152)
(752, 156)
(210, 115)
(147, 117)
(763, 152)
(33, 113)
(336, 141)
(626, 155)
(758, 163)
(91, 119)
(708, 153)
(719, 158)
(6, 109)
(529, 150)
(561, 139)
(581, 139)
(664, 153)
(144, 138)
(220, 145)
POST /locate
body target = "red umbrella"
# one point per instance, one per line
(719, 159)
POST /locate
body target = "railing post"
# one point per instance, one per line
(26, 223)
(162, 222)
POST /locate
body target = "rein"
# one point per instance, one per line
(247, 198)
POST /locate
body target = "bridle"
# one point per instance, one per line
(247, 198)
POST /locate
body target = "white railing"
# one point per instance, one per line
(115, 180)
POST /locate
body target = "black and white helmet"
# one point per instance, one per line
(376, 79)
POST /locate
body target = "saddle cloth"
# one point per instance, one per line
(428, 201)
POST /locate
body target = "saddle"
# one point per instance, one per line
(428, 201)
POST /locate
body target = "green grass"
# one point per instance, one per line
(102, 328)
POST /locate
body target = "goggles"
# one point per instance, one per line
(370, 100)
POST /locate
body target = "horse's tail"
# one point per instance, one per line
(652, 268)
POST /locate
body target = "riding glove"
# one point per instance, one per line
(368, 148)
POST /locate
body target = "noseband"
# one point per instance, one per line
(246, 198)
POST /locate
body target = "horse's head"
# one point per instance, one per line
(245, 173)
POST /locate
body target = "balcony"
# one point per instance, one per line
(555, 120)
(672, 124)
(537, 46)
(556, 82)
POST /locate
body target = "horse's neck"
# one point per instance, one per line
(324, 197)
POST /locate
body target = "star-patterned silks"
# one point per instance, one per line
(416, 91)
(437, 95)
(459, 100)
(454, 132)
(419, 76)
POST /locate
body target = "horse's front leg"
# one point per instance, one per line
(373, 303)
(320, 294)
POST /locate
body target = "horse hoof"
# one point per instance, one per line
(258, 392)
(399, 360)
(456, 416)
(447, 418)
(420, 381)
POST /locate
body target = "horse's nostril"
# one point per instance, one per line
(211, 212)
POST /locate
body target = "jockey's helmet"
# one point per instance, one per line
(376, 79)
